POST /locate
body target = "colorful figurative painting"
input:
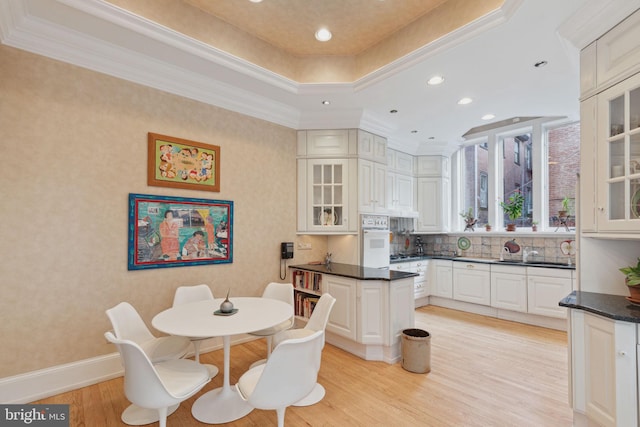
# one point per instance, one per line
(176, 232)
(180, 163)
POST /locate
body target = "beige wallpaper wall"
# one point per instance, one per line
(73, 146)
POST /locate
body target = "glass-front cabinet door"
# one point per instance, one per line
(328, 190)
(619, 157)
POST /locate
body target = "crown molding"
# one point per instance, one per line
(594, 19)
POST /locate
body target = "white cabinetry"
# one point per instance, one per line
(327, 174)
(421, 282)
(604, 369)
(545, 288)
(588, 157)
(432, 193)
(610, 135)
(472, 282)
(372, 173)
(400, 183)
(371, 320)
(509, 288)
(372, 182)
(618, 157)
(400, 193)
(342, 320)
(442, 274)
(368, 315)
(372, 147)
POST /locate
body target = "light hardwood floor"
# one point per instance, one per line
(484, 372)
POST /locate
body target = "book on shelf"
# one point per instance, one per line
(307, 280)
(305, 304)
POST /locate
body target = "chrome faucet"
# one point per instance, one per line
(504, 249)
(525, 254)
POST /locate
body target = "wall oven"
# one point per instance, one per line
(374, 241)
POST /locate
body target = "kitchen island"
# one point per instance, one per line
(603, 348)
(373, 306)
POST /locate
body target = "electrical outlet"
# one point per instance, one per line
(438, 239)
(304, 246)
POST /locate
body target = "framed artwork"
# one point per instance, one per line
(180, 163)
(177, 232)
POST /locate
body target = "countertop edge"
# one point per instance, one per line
(356, 272)
(615, 307)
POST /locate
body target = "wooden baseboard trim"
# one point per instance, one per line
(43, 383)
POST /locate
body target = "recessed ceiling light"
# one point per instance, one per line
(255, 1)
(540, 64)
(465, 101)
(323, 35)
(325, 102)
(435, 80)
(393, 111)
(488, 116)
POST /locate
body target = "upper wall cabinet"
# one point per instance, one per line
(340, 143)
(432, 166)
(372, 147)
(326, 180)
(618, 157)
(610, 131)
(612, 58)
(432, 193)
(399, 162)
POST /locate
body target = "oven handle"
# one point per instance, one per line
(376, 232)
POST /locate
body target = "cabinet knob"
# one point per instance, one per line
(622, 353)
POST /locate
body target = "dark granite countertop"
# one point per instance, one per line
(355, 271)
(612, 306)
(518, 263)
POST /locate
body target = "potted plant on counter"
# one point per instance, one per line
(534, 226)
(513, 209)
(487, 227)
(632, 280)
(469, 219)
(565, 208)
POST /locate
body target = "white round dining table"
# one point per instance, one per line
(223, 404)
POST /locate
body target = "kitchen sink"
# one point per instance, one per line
(535, 263)
(543, 263)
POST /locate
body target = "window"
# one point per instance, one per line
(491, 171)
(563, 164)
(516, 178)
(484, 190)
(476, 180)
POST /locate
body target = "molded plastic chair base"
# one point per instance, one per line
(219, 406)
(134, 415)
(316, 395)
(258, 363)
(213, 369)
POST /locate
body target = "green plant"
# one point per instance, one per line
(632, 274)
(565, 204)
(534, 222)
(513, 206)
(468, 215)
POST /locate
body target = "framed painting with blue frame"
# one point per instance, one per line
(169, 231)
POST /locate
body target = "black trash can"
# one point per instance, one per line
(416, 351)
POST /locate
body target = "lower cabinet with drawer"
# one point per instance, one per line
(472, 282)
(509, 288)
(545, 287)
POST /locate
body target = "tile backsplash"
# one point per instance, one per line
(484, 246)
